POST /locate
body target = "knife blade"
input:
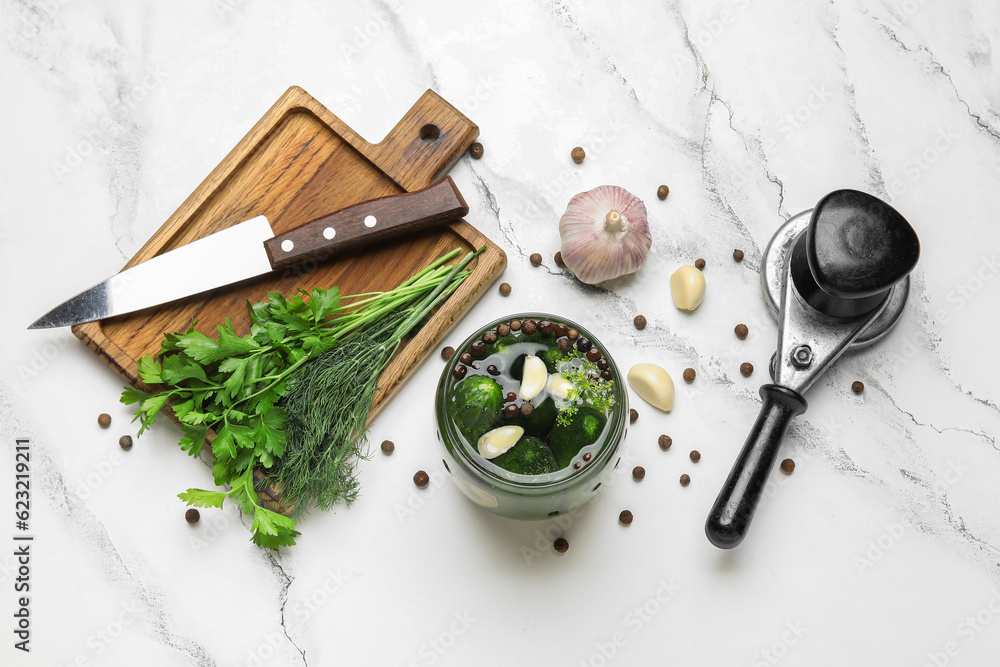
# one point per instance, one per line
(249, 249)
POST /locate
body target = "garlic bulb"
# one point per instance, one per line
(604, 233)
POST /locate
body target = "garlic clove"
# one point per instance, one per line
(653, 384)
(559, 386)
(605, 234)
(499, 440)
(687, 285)
(533, 377)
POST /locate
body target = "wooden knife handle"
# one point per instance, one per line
(367, 222)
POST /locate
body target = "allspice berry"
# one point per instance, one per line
(685, 479)
(787, 466)
(578, 154)
(746, 368)
(638, 473)
(689, 375)
(633, 414)
(662, 192)
(447, 352)
(559, 260)
(699, 264)
(504, 289)
(125, 442)
(695, 456)
(639, 322)
(665, 441)
(741, 331)
(738, 255)
(192, 516)
(560, 545)
(388, 447)
(104, 420)
(476, 150)
(857, 386)
(625, 518)
(420, 478)
(535, 259)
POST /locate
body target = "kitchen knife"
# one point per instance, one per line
(250, 249)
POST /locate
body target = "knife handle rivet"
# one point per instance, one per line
(329, 233)
(287, 245)
(370, 221)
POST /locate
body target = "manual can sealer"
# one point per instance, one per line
(836, 278)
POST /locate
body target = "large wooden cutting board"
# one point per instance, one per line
(300, 162)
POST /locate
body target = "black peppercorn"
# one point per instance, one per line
(746, 368)
(577, 465)
(662, 192)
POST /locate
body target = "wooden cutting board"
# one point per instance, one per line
(300, 162)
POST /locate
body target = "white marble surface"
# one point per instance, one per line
(882, 547)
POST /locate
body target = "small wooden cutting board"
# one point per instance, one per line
(300, 162)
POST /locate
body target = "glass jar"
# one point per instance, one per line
(530, 496)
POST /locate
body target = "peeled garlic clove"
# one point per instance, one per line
(559, 386)
(653, 384)
(688, 287)
(499, 440)
(605, 234)
(533, 377)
